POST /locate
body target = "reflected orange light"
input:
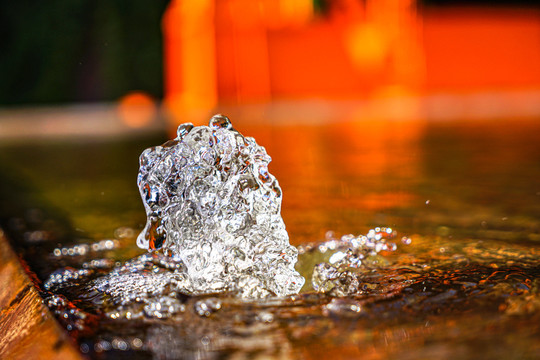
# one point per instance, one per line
(136, 109)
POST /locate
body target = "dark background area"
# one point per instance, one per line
(79, 50)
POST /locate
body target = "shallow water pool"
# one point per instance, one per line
(462, 200)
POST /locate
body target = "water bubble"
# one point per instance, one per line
(136, 343)
(105, 345)
(265, 316)
(207, 307)
(406, 240)
(119, 344)
(124, 232)
(220, 122)
(163, 307)
(338, 256)
(205, 340)
(330, 235)
(183, 130)
(66, 277)
(342, 307)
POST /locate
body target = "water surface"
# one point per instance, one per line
(463, 283)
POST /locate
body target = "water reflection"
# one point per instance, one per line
(433, 297)
(466, 285)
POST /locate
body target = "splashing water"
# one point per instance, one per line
(363, 280)
(366, 296)
(212, 204)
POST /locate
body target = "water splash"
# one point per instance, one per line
(211, 203)
(424, 297)
(415, 290)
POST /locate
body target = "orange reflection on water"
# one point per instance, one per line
(339, 172)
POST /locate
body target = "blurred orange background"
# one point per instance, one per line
(250, 51)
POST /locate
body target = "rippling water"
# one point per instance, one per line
(431, 297)
(463, 281)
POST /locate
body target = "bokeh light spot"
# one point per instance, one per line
(137, 109)
(367, 46)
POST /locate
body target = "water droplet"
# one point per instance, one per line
(406, 240)
(137, 343)
(265, 316)
(183, 130)
(220, 122)
(205, 340)
(207, 307)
